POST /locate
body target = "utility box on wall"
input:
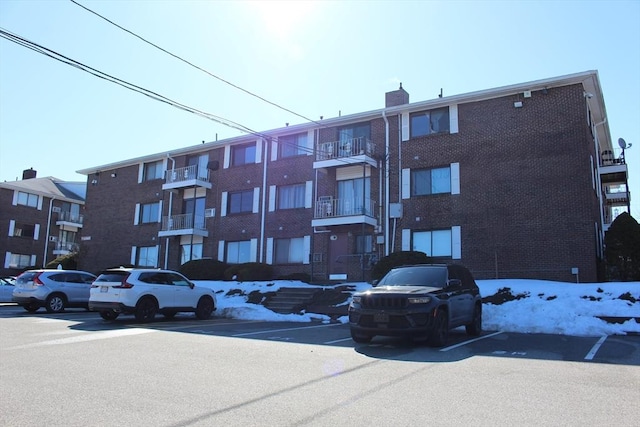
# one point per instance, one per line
(395, 210)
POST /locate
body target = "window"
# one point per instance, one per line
(149, 212)
(70, 211)
(190, 252)
(430, 181)
(364, 244)
(433, 243)
(429, 122)
(27, 199)
(289, 251)
(19, 261)
(24, 230)
(353, 197)
(238, 252)
(291, 196)
(153, 170)
(241, 202)
(352, 139)
(243, 154)
(293, 145)
(194, 208)
(147, 256)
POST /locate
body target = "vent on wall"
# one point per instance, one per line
(55, 209)
(210, 213)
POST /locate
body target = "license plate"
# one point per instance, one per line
(381, 318)
(104, 289)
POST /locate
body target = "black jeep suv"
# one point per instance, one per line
(419, 301)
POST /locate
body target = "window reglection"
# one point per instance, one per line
(27, 199)
(243, 154)
(430, 181)
(291, 196)
(150, 212)
(289, 251)
(187, 250)
(147, 256)
(19, 261)
(293, 145)
(241, 202)
(433, 243)
(24, 230)
(430, 122)
(238, 252)
(153, 170)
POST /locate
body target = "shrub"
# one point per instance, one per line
(397, 259)
(249, 271)
(68, 262)
(204, 269)
(302, 277)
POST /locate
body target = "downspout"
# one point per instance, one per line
(46, 240)
(166, 248)
(386, 183)
(264, 200)
(601, 201)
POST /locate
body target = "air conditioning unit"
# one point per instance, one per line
(53, 238)
(210, 213)
(55, 209)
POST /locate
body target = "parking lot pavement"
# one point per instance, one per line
(612, 349)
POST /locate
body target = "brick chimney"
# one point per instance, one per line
(396, 97)
(29, 173)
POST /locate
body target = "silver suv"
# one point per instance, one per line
(54, 290)
(145, 292)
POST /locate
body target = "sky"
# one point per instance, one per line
(314, 59)
(545, 307)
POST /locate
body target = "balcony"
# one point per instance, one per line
(66, 218)
(65, 248)
(339, 153)
(183, 225)
(189, 176)
(331, 211)
(613, 167)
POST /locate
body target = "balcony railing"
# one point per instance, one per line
(188, 173)
(327, 207)
(66, 247)
(612, 157)
(345, 148)
(66, 216)
(183, 222)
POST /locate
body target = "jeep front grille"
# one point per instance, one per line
(384, 302)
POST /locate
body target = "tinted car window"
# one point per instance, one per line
(419, 276)
(178, 280)
(27, 276)
(112, 276)
(156, 278)
(58, 277)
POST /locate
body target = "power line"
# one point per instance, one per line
(195, 66)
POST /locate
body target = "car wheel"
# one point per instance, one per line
(55, 304)
(440, 332)
(109, 314)
(360, 338)
(31, 308)
(146, 310)
(204, 308)
(475, 327)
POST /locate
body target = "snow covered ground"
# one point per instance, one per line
(530, 306)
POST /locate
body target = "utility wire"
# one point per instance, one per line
(195, 66)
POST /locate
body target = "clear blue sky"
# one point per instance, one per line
(314, 58)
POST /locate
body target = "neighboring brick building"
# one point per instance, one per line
(40, 219)
(514, 182)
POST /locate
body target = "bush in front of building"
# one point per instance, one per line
(204, 269)
(249, 271)
(622, 249)
(67, 262)
(397, 259)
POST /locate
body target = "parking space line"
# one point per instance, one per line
(470, 341)
(270, 331)
(595, 348)
(337, 341)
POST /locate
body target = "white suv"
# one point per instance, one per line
(145, 292)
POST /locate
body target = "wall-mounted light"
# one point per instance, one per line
(113, 175)
(94, 182)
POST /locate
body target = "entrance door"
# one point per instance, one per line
(338, 259)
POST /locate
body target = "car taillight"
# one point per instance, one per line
(37, 281)
(124, 284)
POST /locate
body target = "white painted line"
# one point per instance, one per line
(595, 348)
(87, 337)
(470, 341)
(335, 341)
(270, 331)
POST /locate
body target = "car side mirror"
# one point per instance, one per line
(374, 283)
(191, 285)
(454, 282)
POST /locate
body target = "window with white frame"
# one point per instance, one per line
(435, 243)
(289, 251)
(353, 197)
(240, 202)
(243, 154)
(149, 212)
(27, 199)
(147, 256)
(292, 145)
(430, 122)
(153, 170)
(291, 196)
(238, 252)
(19, 261)
(430, 181)
(24, 230)
(190, 252)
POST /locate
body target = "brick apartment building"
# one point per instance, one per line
(514, 182)
(40, 219)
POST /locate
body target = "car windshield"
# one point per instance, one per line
(112, 276)
(416, 276)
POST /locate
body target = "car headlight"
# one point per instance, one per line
(356, 300)
(419, 300)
